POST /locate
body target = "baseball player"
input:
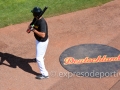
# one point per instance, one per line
(40, 31)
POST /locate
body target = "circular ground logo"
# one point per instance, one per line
(91, 60)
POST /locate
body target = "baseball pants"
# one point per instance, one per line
(40, 53)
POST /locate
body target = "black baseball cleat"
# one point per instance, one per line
(42, 77)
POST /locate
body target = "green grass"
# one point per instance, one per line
(18, 11)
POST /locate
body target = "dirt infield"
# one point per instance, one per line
(98, 25)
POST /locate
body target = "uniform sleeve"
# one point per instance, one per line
(43, 26)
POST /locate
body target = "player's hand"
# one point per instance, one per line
(30, 28)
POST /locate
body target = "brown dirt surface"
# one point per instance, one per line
(99, 25)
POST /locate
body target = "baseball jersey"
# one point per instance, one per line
(41, 26)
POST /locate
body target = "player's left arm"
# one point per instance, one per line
(40, 34)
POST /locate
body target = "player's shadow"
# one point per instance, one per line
(14, 61)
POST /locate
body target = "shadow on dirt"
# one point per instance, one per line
(15, 61)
